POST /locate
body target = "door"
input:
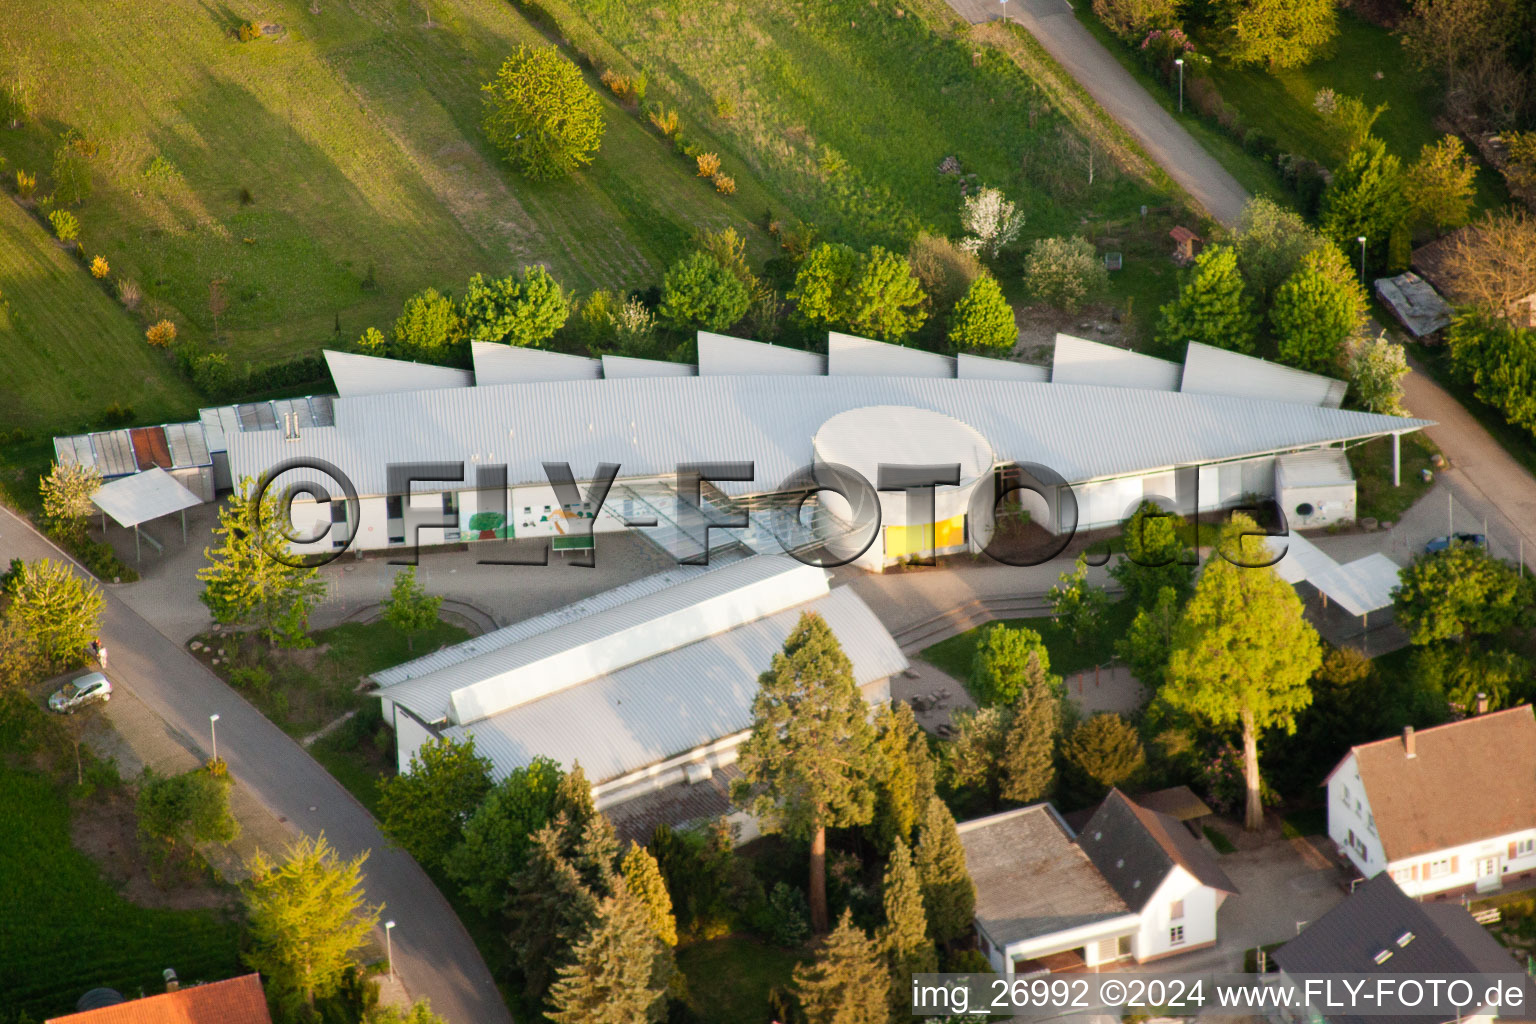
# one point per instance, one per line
(1488, 874)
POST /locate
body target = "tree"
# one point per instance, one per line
(1008, 661)
(822, 283)
(1440, 184)
(1212, 307)
(904, 936)
(906, 776)
(1446, 34)
(67, 492)
(885, 301)
(811, 753)
(699, 292)
(549, 909)
(175, 812)
(409, 608)
(424, 810)
(1131, 20)
(218, 303)
(542, 115)
(1458, 593)
(419, 1013)
(497, 838)
(618, 972)
(19, 88)
(1102, 753)
(1155, 557)
(1499, 360)
(975, 754)
(1243, 653)
(991, 223)
(1149, 640)
(72, 169)
(428, 324)
(1349, 120)
(1365, 199)
(642, 877)
(1271, 241)
(56, 611)
(943, 269)
(1078, 606)
(1492, 264)
(847, 982)
(1029, 751)
(244, 583)
(982, 319)
(1376, 370)
(306, 918)
(1277, 33)
(949, 895)
(20, 663)
(1063, 271)
(522, 310)
(1316, 310)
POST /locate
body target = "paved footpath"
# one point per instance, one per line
(434, 955)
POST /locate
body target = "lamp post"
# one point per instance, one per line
(213, 731)
(1180, 62)
(1005, 10)
(1361, 240)
(389, 948)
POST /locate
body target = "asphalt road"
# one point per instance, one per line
(1055, 25)
(434, 956)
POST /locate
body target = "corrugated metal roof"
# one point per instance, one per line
(1215, 371)
(114, 453)
(1080, 361)
(851, 356)
(863, 438)
(1321, 468)
(620, 367)
(141, 497)
(356, 374)
(511, 364)
(649, 426)
(971, 367)
(677, 701)
(74, 451)
(720, 354)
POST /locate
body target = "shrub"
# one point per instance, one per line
(128, 292)
(212, 374)
(944, 269)
(161, 169)
(666, 121)
(542, 115)
(26, 184)
(724, 184)
(248, 31)
(788, 917)
(1130, 19)
(725, 106)
(1062, 272)
(99, 268)
(983, 319)
(161, 334)
(65, 225)
(699, 292)
(251, 678)
(620, 85)
(709, 164)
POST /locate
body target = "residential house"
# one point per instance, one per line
(236, 1001)
(1431, 262)
(1445, 811)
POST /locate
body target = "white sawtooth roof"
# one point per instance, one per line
(620, 367)
(721, 354)
(355, 374)
(650, 425)
(1215, 371)
(722, 598)
(135, 499)
(677, 701)
(512, 364)
(969, 367)
(1080, 361)
(1322, 468)
(851, 356)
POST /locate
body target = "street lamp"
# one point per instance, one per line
(1361, 240)
(213, 730)
(1005, 10)
(1180, 62)
(389, 948)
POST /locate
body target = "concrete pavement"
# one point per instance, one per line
(434, 955)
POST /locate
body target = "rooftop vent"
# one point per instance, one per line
(1408, 746)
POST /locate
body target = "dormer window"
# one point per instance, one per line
(1383, 956)
(1404, 939)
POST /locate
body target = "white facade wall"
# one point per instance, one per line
(1089, 938)
(1330, 503)
(1350, 823)
(1155, 937)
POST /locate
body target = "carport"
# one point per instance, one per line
(136, 499)
(1359, 587)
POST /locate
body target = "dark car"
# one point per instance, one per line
(1441, 543)
(79, 693)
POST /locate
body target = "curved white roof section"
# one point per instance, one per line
(850, 356)
(619, 367)
(356, 375)
(1080, 361)
(969, 367)
(863, 438)
(1215, 371)
(721, 355)
(512, 364)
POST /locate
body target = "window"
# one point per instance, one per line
(1123, 946)
(393, 507)
(1305, 509)
(1525, 847)
(1440, 868)
(1176, 935)
(1176, 910)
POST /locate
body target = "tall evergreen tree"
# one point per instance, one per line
(975, 755)
(949, 895)
(548, 911)
(906, 778)
(1365, 199)
(1212, 307)
(642, 877)
(811, 752)
(908, 948)
(617, 973)
(1029, 752)
(847, 982)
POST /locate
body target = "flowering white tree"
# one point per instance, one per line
(991, 223)
(1376, 371)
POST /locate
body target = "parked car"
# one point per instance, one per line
(79, 693)
(1441, 543)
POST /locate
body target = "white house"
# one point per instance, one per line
(1135, 884)
(1444, 811)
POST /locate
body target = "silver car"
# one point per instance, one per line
(79, 693)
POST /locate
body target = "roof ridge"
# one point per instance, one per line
(1485, 716)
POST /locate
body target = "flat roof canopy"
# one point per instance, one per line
(136, 499)
(1360, 587)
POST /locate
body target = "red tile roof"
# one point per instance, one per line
(236, 1001)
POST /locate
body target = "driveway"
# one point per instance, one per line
(433, 953)
(1055, 25)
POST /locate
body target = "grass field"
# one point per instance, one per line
(954, 654)
(1372, 463)
(729, 979)
(355, 135)
(70, 351)
(65, 930)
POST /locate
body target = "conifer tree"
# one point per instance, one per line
(1212, 307)
(948, 892)
(906, 779)
(811, 751)
(642, 877)
(975, 755)
(908, 948)
(1365, 199)
(847, 982)
(1317, 310)
(548, 910)
(617, 973)
(1029, 753)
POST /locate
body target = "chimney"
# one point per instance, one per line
(1408, 748)
(1482, 703)
(171, 984)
